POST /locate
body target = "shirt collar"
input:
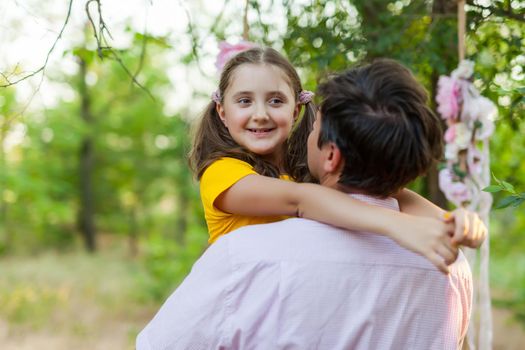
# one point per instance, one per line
(388, 202)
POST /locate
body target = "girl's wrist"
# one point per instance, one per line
(390, 225)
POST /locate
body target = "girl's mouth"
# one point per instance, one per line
(261, 130)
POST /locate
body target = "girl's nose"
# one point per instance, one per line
(260, 113)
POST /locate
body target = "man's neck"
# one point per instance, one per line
(331, 181)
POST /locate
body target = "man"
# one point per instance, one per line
(300, 284)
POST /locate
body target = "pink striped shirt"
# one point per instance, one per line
(300, 284)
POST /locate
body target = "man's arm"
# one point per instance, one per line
(195, 315)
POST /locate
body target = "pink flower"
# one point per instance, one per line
(486, 129)
(451, 152)
(227, 51)
(450, 134)
(464, 71)
(474, 160)
(458, 193)
(459, 135)
(462, 135)
(305, 96)
(484, 111)
(455, 191)
(448, 96)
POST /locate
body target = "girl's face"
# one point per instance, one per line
(259, 109)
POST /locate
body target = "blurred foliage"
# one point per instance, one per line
(142, 187)
(168, 263)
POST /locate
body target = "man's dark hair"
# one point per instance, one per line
(377, 115)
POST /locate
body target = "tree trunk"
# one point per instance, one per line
(5, 234)
(444, 7)
(432, 179)
(133, 232)
(182, 218)
(86, 214)
(440, 9)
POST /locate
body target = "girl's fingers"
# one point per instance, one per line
(462, 226)
(468, 229)
(447, 253)
(481, 233)
(438, 261)
(448, 216)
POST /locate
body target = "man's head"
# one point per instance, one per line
(375, 132)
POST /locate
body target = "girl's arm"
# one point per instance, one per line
(256, 195)
(469, 228)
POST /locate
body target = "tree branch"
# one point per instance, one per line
(43, 67)
(219, 17)
(194, 39)
(106, 50)
(143, 49)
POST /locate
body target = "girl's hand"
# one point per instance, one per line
(469, 230)
(430, 238)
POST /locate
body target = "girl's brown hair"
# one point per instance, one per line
(212, 140)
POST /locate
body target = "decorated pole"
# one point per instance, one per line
(470, 122)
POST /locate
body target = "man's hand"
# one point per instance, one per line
(430, 238)
(469, 229)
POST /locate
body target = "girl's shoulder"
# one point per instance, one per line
(228, 164)
(226, 170)
(221, 175)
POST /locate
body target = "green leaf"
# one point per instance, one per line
(498, 181)
(507, 201)
(478, 124)
(518, 202)
(493, 188)
(508, 186)
(87, 55)
(457, 170)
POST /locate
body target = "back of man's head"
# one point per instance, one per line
(377, 115)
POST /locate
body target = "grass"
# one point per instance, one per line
(74, 300)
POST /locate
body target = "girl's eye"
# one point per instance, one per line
(243, 101)
(275, 100)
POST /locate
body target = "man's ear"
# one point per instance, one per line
(220, 111)
(332, 160)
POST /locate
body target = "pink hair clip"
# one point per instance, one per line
(227, 51)
(305, 96)
(216, 96)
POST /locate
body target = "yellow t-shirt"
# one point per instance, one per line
(216, 179)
